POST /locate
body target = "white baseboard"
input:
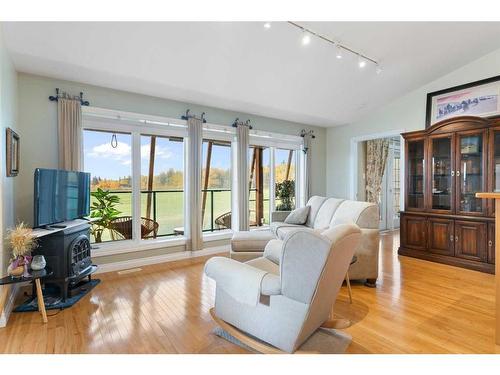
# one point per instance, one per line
(9, 305)
(133, 263)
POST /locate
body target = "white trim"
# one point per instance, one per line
(180, 255)
(353, 168)
(9, 305)
(113, 114)
(131, 246)
(218, 235)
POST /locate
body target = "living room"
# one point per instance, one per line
(268, 186)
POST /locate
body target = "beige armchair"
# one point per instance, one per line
(284, 304)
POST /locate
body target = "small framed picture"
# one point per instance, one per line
(480, 98)
(12, 153)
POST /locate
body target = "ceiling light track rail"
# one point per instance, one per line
(334, 42)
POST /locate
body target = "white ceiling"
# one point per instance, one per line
(242, 66)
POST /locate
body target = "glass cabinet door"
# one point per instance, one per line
(416, 169)
(442, 173)
(470, 173)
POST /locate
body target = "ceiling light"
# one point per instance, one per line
(338, 55)
(267, 25)
(306, 39)
(361, 62)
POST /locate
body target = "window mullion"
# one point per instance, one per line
(136, 186)
(272, 180)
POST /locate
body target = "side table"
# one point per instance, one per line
(34, 276)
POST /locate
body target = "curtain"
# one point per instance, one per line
(242, 138)
(69, 123)
(308, 166)
(193, 188)
(376, 158)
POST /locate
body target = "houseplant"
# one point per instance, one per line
(22, 241)
(285, 192)
(103, 209)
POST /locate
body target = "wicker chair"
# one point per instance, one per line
(223, 221)
(121, 228)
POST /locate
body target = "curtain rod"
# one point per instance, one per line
(187, 116)
(55, 98)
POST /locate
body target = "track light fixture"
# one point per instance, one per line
(341, 49)
(306, 39)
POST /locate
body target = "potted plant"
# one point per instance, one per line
(285, 192)
(22, 241)
(104, 211)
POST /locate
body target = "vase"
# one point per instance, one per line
(38, 263)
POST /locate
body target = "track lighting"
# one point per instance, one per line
(338, 55)
(361, 62)
(306, 39)
(267, 25)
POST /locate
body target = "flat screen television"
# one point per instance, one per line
(60, 196)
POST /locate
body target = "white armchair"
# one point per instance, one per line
(284, 304)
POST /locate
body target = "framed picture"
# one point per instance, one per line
(480, 98)
(12, 153)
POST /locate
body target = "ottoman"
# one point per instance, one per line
(249, 244)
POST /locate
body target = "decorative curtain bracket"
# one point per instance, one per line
(58, 95)
(187, 116)
(307, 135)
(238, 122)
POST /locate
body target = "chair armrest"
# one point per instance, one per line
(241, 281)
(279, 216)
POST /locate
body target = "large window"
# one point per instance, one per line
(284, 172)
(162, 186)
(108, 159)
(216, 185)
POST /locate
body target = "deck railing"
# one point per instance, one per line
(167, 208)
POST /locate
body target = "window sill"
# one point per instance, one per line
(130, 246)
(220, 235)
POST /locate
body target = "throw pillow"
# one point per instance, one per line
(298, 216)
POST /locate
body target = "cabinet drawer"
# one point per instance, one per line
(470, 240)
(441, 236)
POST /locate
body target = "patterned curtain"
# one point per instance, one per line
(69, 123)
(376, 157)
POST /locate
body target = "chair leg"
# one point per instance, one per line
(348, 287)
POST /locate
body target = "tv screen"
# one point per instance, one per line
(60, 196)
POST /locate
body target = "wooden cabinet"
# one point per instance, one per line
(491, 243)
(441, 236)
(470, 240)
(414, 232)
(446, 165)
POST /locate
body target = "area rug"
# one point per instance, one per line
(53, 301)
(323, 341)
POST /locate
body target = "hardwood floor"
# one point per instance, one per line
(417, 307)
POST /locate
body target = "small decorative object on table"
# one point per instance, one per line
(22, 242)
(38, 263)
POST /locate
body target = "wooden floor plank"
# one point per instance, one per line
(417, 307)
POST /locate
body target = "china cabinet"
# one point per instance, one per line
(445, 166)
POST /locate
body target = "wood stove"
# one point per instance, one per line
(67, 252)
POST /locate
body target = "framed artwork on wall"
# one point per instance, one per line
(13, 149)
(480, 98)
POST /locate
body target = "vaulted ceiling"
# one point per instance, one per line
(243, 66)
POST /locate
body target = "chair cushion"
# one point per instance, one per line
(273, 251)
(282, 232)
(326, 212)
(271, 283)
(275, 226)
(251, 241)
(298, 216)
